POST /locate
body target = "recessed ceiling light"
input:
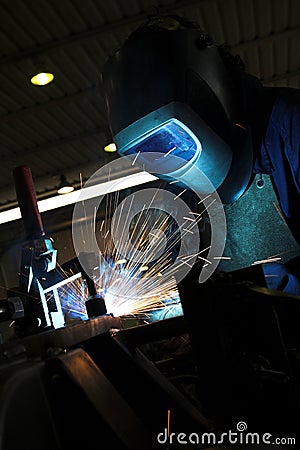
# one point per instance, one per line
(110, 148)
(64, 186)
(42, 78)
(65, 190)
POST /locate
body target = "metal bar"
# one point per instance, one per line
(44, 303)
(57, 317)
(62, 283)
(62, 338)
(106, 399)
(162, 329)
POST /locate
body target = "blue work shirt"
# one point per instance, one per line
(279, 156)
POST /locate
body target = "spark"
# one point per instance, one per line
(189, 218)
(205, 260)
(72, 293)
(180, 193)
(135, 158)
(203, 199)
(195, 214)
(171, 149)
(268, 260)
(222, 257)
(131, 276)
(121, 261)
(190, 256)
(279, 212)
(202, 258)
(155, 237)
(185, 262)
(269, 275)
(211, 203)
(124, 288)
(188, 231)
(241, 126)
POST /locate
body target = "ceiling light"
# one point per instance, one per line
(64, 186)
(110, 148)
(42, 78)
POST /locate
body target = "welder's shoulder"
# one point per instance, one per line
(285, 115)
(288, 102)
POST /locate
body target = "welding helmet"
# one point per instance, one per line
(167, 90)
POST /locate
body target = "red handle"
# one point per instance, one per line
(26, 197)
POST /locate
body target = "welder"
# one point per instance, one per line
(169, 83)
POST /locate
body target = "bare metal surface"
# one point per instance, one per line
(44, 343)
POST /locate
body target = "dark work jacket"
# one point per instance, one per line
(279, 156)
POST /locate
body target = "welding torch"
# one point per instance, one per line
(95, 304)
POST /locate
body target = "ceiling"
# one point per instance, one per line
(62, 128)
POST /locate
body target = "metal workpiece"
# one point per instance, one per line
(44, 343)
(228, 354)
(75, 372)
(128, 429)
(143, 385)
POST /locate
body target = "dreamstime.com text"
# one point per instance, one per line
(240, 436)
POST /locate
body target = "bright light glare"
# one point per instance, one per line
(89, 192)
(65, 190)
(42, 78)
(110, 148)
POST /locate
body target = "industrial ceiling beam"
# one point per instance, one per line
(286, 34)
(79, 97)
(108, 28)
(55, 143)
(89, 94)
(48, 47)
(283, 76)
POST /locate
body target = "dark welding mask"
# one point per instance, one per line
(170, 93)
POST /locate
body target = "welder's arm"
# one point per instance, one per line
(283, 277)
